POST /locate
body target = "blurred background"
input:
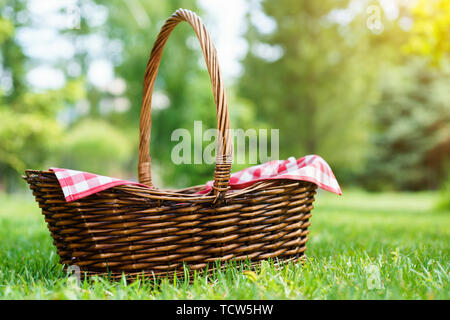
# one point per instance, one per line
(364, 84)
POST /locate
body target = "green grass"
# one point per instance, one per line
(399, 234)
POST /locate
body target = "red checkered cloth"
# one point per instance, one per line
(77, 184)
(310, 168)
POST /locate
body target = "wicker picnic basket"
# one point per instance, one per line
(136, 230)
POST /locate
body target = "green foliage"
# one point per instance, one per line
(318, 91)
(430, 35)
(411, 140)
(380, 118)
(180, 79)
(30, 132)
(398, 233)
(26, 139)
(12, 58)
(332, 88)
(95, 146)
(6, 29)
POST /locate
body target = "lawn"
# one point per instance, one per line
(362, 246)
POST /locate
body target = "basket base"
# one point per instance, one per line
(181, 274)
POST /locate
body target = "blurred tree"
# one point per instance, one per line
(122, 33)
(411, 137)
(311, 70)
(12, 58)
(28, 127)
(313, 78)
(183, 91)
(95, 146)
(411, 141)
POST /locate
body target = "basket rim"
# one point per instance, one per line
(265, 187)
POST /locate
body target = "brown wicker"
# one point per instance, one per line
(137, 230)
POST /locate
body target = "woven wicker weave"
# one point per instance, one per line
(137, 230)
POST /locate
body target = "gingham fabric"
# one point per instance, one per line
(77, 184)
(310, 168)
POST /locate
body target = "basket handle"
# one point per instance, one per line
(224, 147)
